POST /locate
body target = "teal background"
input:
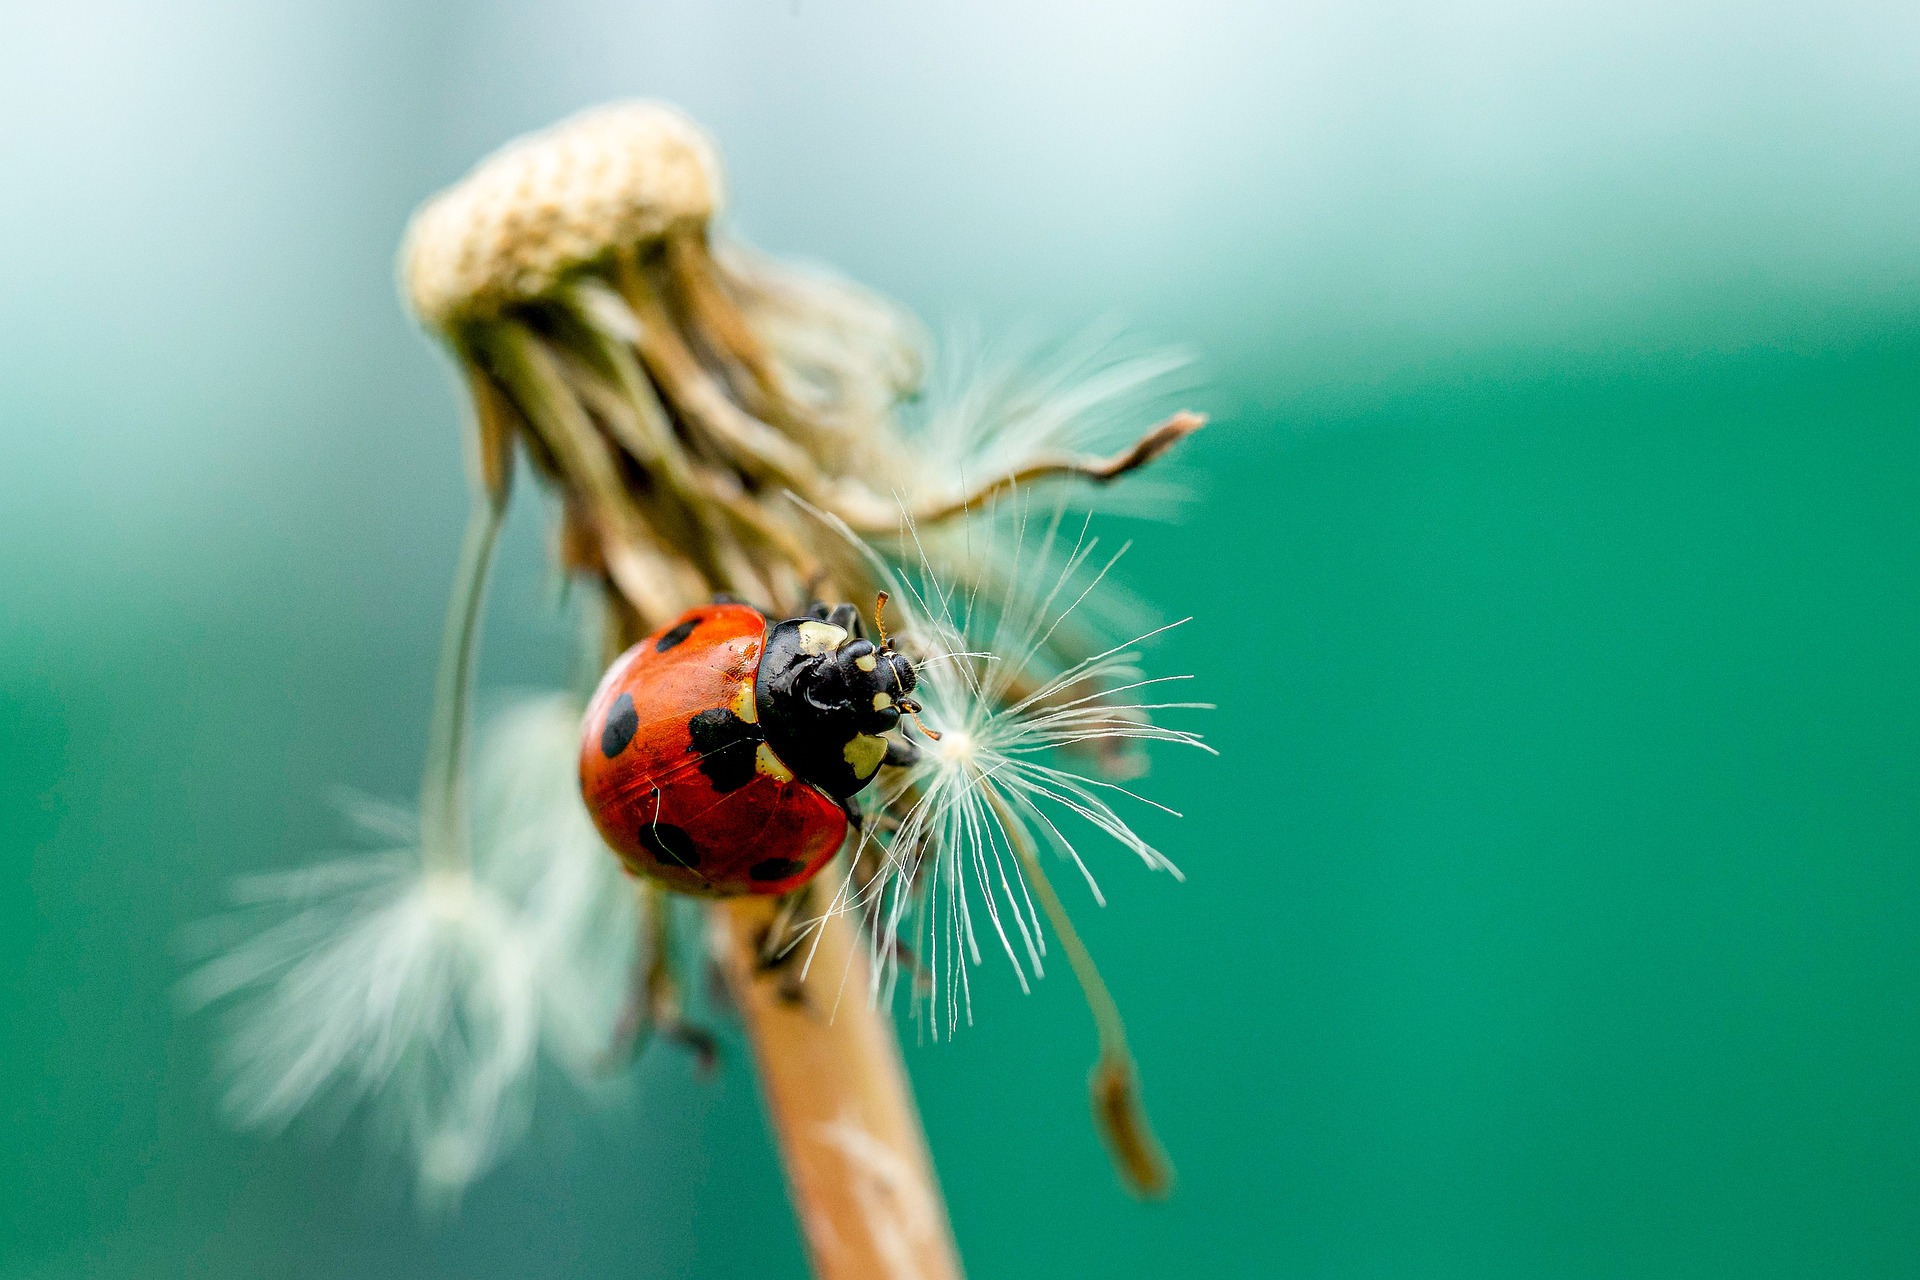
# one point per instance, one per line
(1551, 907)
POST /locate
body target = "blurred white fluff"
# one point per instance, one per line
(428, 995)
(996, 409)
(538, 846)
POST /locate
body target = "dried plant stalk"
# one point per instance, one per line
(856, 1160)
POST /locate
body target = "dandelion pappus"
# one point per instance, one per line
(720, 755)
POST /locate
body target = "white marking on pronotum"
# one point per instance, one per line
(820, 637)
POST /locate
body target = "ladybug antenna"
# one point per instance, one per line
(879, 617)
(912, 708)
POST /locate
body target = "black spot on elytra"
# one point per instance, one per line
(622, 723)
(671, 844)
(776, 868)
(675, 636)
(725, 744)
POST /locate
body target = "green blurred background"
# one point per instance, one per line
(1551, 907)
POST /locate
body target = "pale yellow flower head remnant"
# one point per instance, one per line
(554, 201)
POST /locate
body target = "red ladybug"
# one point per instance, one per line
(720, 755)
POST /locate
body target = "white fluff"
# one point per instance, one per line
(427, 995)
(1001, 761)
(574, 900)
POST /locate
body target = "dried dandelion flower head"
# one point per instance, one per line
(713, 422)
(676, 388)
(550, 203)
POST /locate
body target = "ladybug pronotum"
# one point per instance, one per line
(721, 755)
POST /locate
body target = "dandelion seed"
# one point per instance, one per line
(994, 783)
(427, 993)
(379, 982)
(998, 760)
(419, 980)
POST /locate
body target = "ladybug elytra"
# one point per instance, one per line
(721, 755)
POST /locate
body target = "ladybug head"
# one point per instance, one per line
(827, 697)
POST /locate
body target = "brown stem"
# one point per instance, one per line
(694, 273)
(1100, 470)
(1114, 1084)
(656, 582)
(838, 1102)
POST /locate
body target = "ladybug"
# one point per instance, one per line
(720, 755)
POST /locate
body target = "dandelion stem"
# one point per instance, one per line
(1114, 1084)
(838, 1101)
(443, 835)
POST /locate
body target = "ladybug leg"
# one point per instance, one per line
(866, 875)
(653, 997)
(696, 1040)
(869, 864)
(869, 854)
(782, 948)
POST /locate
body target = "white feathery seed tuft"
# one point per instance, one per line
(574, 901)
(426, 994)
(1012, 771)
